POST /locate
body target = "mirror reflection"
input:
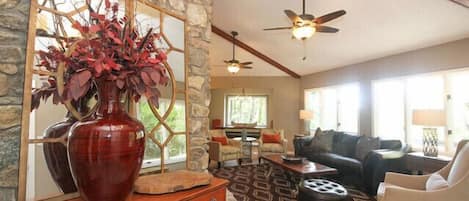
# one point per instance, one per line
(48, 172)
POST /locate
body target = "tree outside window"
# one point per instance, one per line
(246, 109)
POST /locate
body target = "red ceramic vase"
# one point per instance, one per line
(106, 153)
(56, 155)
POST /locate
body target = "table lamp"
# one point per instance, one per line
(429, 119)
(306, 115)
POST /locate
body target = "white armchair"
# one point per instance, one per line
(221, 153)
(272, 148)
(401, 187)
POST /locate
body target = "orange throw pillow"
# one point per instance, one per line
(271, 138)
(220, 139)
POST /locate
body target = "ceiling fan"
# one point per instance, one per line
(233, 65)
(305, 25)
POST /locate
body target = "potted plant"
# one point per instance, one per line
(106, 151)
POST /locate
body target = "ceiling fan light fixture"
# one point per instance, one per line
(233, 68)
(303, 32)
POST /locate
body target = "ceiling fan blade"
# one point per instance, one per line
(227, 62)
(326, 18)
(326, 29)
(246, 67)
(307, 17)
(292, 15)
(276, 28)
(246, 63)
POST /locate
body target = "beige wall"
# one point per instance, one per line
(442, 57)
(284, 99)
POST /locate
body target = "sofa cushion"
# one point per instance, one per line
(435, 182)
(271, 138)
(365, 145)
(221, 139)
(322, 141)
(460, 166)
(382, 190)
(343, 164)
(272, 147)
(227, 149)
(344, 144)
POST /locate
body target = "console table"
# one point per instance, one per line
(215, 191)
(416, 161)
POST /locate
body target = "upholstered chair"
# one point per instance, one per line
(451, 183)
(220, 152)
(266, 148)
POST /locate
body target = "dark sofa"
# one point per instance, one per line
(361, 161)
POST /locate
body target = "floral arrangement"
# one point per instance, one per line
(110, 49)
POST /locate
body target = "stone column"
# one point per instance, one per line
(14, 16)
(198, 14)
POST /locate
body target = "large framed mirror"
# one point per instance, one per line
(47, 175)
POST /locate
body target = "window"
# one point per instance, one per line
(394, 100)
(246, 109)
(334, 107)
(176, 149)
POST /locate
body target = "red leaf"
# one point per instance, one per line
(146, 79)
(155, 76)
(77, 26)
(83, 77)
(95, 28)
(107, 3)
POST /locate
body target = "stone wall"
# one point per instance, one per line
(198, 14)
(14, 16)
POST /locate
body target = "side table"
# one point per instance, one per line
(416, 161)
(246, 145)
(215, 191)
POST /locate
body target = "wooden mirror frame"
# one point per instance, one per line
(130, 10)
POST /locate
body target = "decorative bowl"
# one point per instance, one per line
(292, 159)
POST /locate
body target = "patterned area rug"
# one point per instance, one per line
(249, 183)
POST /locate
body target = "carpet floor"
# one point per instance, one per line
(250, 183)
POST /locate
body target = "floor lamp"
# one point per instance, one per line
(429, 119)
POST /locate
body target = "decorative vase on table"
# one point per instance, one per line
(106, 152)
(55, 153)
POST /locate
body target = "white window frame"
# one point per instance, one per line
(226, 113)
(447, 149)
(168, 161)
(307, 105)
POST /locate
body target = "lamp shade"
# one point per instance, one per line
(429, 117)
(306, 115)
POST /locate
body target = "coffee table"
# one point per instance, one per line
(306, 169)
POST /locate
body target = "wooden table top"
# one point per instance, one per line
(216, 183)
(307, 168)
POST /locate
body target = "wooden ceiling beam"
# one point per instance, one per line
(253, 51)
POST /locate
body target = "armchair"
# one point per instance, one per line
(401, 187)
(272, 148)
(222, 153)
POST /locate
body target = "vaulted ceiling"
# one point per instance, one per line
(371, 29)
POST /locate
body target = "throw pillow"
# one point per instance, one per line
(460, 166)
(365, 145)
(322, 141)
(271, 138)
(436, 182)
(221, 139)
